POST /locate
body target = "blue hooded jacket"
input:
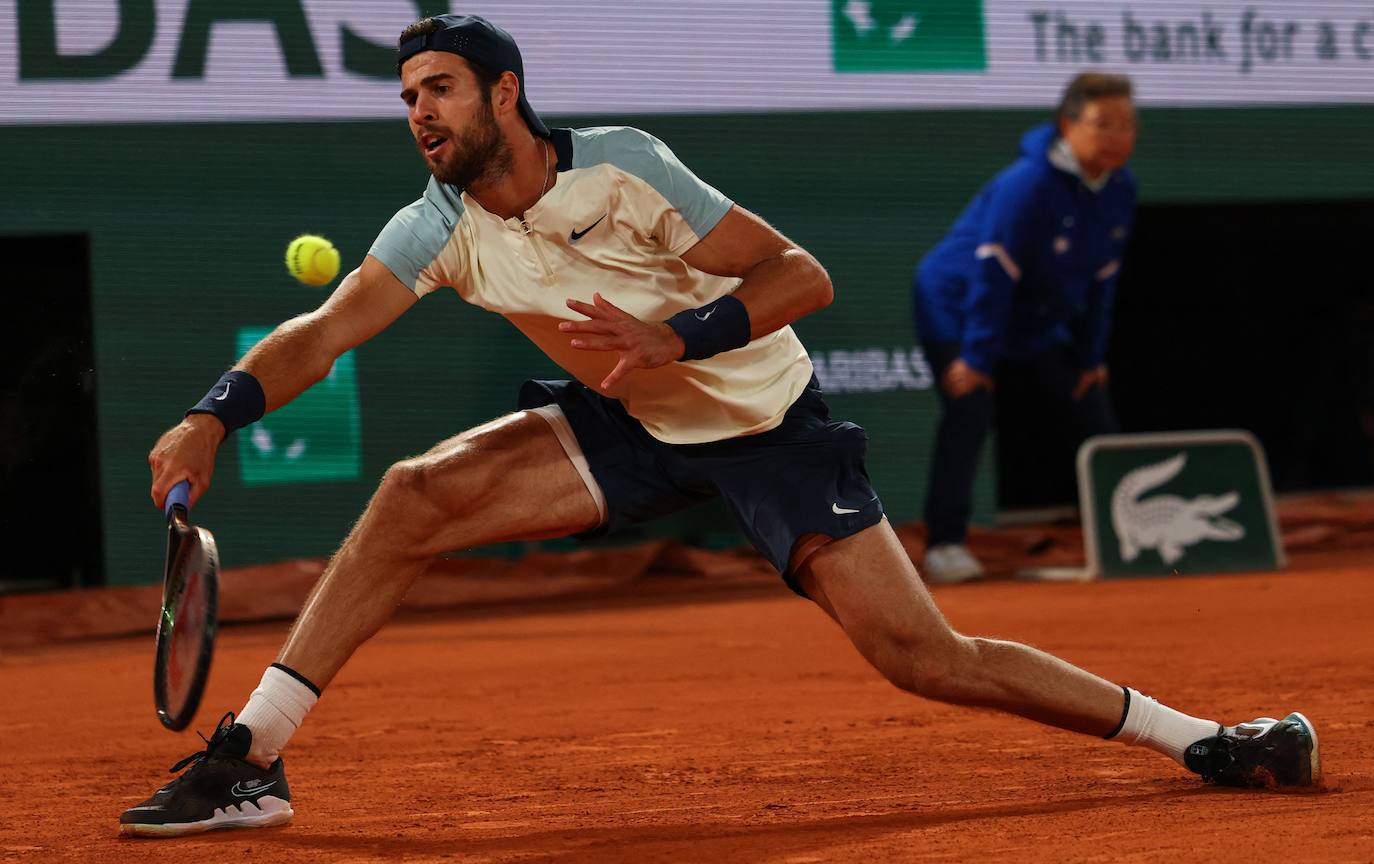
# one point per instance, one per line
(1031, 262)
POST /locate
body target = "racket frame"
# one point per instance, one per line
(188, 547)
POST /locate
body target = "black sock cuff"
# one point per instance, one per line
(313, 689)
(1120, 724)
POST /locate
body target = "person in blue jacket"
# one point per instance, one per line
(1022, 287)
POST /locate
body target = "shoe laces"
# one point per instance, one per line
(212, 743)
(1234, 739)
(1221, 758)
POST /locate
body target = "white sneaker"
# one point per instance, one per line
(949, 564)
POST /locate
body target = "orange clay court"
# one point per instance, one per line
(687, 720)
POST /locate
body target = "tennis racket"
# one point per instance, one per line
(186, 628)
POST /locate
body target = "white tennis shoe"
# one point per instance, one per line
(950, 564)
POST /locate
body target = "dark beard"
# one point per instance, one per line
(478, 154)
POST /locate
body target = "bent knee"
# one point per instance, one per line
(410, 504)
(929, 665)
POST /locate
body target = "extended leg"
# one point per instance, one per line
(509, 479)
(868, 584)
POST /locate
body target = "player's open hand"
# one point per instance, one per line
(186, 452)
(642, 344)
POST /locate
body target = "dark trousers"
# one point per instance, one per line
(1049, 379)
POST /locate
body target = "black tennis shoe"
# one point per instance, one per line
(220, 790)
(1263, 752)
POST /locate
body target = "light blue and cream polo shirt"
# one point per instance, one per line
(620, 215)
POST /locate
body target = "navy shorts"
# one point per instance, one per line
(806, 476)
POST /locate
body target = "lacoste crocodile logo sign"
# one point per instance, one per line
(1168, 523)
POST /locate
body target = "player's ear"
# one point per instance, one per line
(506, 93)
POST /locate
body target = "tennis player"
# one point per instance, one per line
(670, 307)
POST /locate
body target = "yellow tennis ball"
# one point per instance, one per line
(312, 259)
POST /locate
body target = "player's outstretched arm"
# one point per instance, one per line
(294, 356)
(301, 351)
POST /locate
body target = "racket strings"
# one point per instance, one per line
(218, 737)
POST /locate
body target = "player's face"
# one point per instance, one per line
(450, 116)
(1103, 136)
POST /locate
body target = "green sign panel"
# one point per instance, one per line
(316, 437)
(1186, 502)
(907, 35)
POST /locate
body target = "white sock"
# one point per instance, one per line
(1161, 728)
(275, 710)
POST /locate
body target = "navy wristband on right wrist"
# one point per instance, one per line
(719, 326)
(236, 400)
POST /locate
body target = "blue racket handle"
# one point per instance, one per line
(180, 496)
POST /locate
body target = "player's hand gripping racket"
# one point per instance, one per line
(186, 629)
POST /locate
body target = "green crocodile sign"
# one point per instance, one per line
(1177, 503)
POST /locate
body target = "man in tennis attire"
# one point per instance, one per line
(670, 305)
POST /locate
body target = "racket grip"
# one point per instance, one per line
(179, 496)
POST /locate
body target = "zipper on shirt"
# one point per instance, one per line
(538, 251)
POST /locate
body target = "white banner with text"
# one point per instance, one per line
(82, 61)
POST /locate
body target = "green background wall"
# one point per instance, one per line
(188, 224)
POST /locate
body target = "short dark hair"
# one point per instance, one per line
(1087, 86)
(486, 78)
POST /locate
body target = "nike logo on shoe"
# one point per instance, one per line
(255, 790)
(840, 511)
(578, 235)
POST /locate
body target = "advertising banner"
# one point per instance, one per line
(83, 61)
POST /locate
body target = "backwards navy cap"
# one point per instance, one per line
(481, 42)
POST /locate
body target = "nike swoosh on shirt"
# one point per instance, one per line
(578, 235)
(840, 511)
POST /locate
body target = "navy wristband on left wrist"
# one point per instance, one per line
(236, 400)
(722, 325)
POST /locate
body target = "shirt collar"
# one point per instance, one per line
(1061, 156)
